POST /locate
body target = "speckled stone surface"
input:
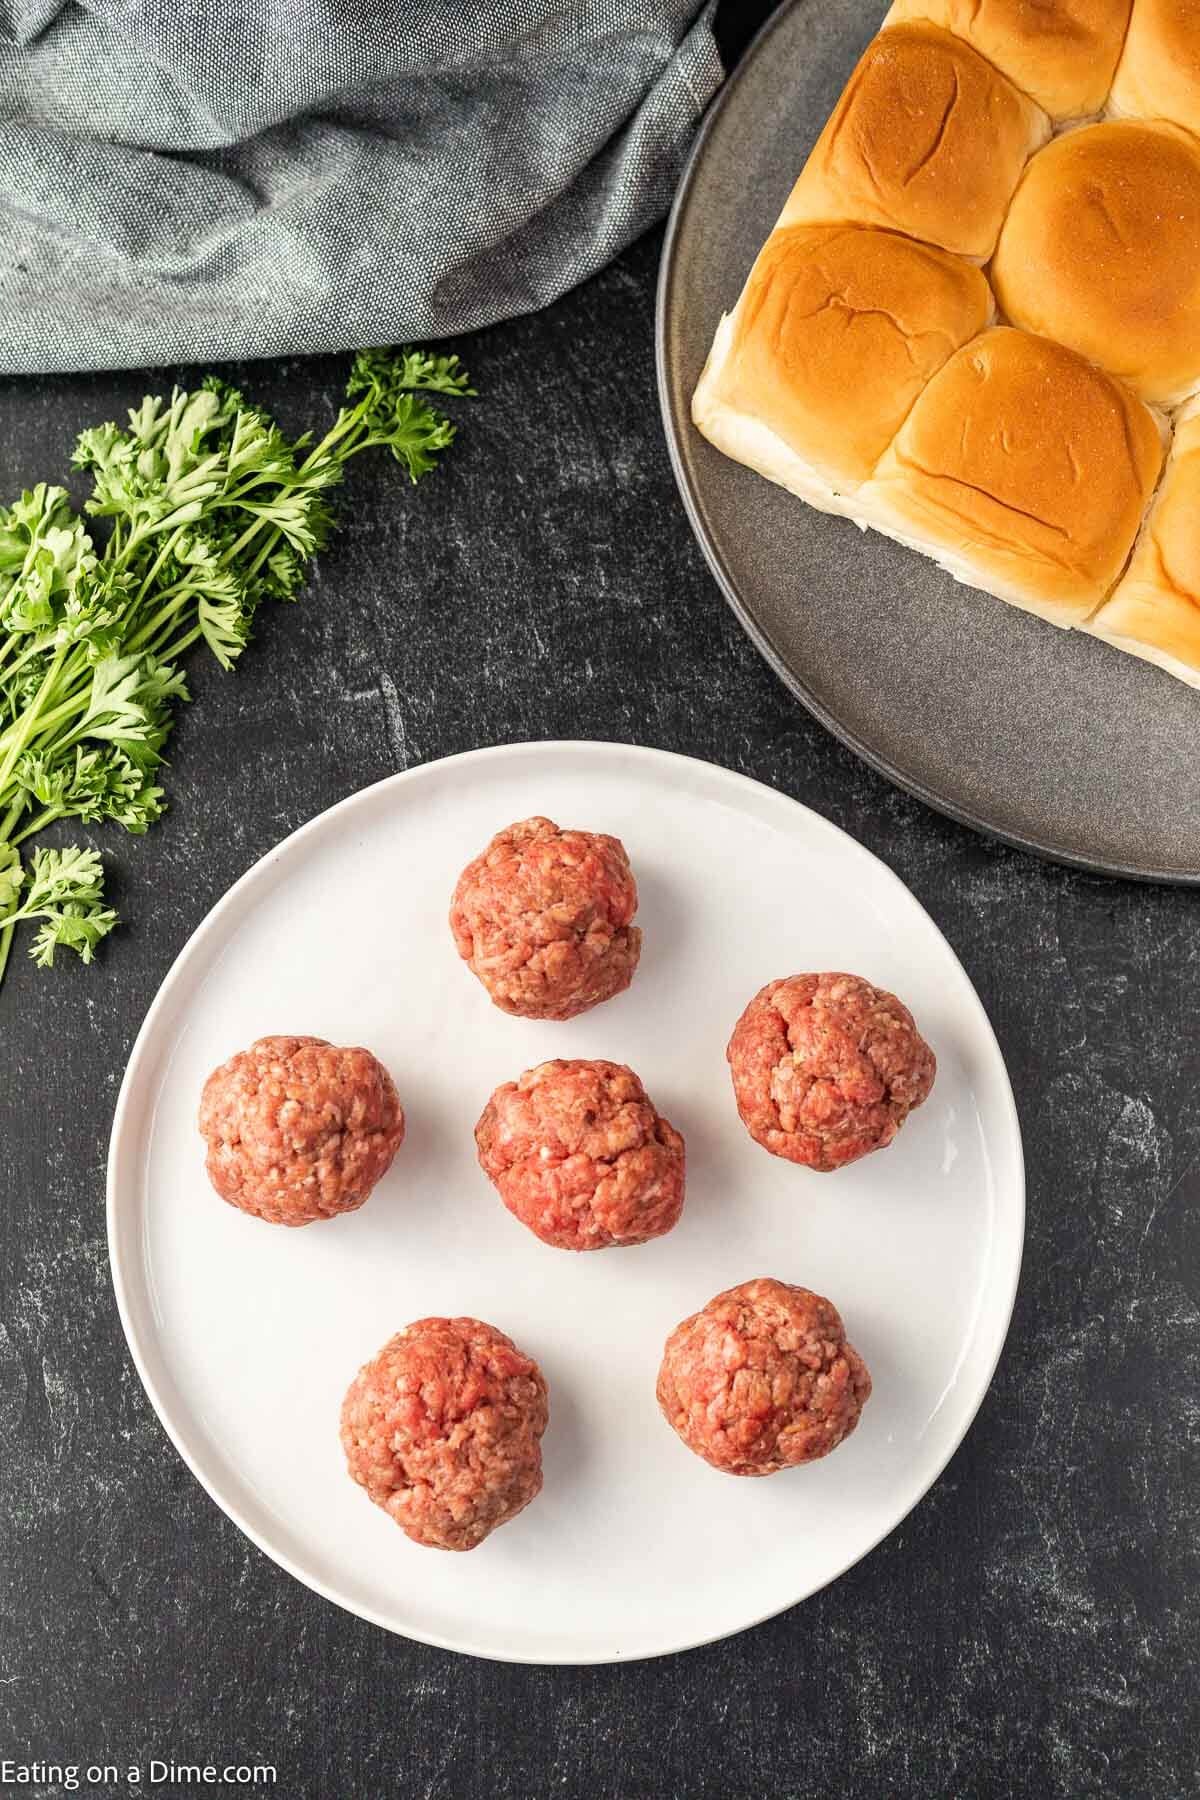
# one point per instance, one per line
(1031, 1629)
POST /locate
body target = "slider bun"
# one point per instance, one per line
(1101, 250)
(1155, 611)
(1158, 75)
(1062, 52)
(927, 139)
(1024, 471)
(837, 331)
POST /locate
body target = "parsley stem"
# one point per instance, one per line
(39, 824)
(30, 717)
(264, 550)
(252, 530)
(170, 545)
(34, 647)
(181, 644)
(48, 721)
(66, 683)
(6, 938)
(177, 595)
(343, 425)
(174, 597)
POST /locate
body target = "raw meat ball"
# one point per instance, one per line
(543, 917)
(443, 1428)
(299, 1129)
(826, 1068)
(579, 1154)
(762, 1379)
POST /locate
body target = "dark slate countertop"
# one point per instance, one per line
(1031, 1628)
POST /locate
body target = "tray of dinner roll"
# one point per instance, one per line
(929, 356)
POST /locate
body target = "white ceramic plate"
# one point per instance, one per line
(247, 1335)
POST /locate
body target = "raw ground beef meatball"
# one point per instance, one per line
(443, 1428)
(543, 917)
(579, 1154)
(299, 1129)
(762, 1379)
(826, 1068)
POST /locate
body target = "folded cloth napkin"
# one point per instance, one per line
(183, 181)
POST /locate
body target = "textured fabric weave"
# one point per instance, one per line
(185, 180)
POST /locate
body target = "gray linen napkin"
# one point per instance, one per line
(185, 180)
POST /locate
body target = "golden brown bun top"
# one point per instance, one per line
(1158, 75)
(1062, 52)
(1029, 448)
(1156, 607)
(1101, 249)
(839, 329)
(1171, 545)
(927, 139)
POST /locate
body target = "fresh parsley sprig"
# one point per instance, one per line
(205, 510)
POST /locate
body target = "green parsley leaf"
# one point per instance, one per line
(12, 876)
(206, 508)
(64, 890)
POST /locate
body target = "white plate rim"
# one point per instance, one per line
(227, 905)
